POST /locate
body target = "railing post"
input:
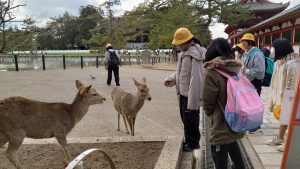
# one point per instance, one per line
(16, 62)
(81, 60)
(139, 60)
(97, 61)
(64, 61)
(129, 61)
(43, 61)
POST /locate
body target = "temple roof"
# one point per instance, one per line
(263, 5)
(281, 17)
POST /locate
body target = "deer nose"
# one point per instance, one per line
(103, 99)
(149, 98)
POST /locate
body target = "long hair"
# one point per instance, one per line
(282, 48)
(218, 47)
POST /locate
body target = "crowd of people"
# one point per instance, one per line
(199, 84)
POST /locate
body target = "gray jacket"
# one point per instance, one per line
(255, 66)
(107, 56)
(188, 75)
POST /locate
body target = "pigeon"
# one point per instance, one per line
(93, 77)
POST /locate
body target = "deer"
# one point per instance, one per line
(128, 105)
(21, 117)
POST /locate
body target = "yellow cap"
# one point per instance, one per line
(248, 36)
(240, 45)
(181, 36)
(108, 45)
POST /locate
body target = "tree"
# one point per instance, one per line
(6, 16)
(90, 20)
(109, 4)
(61, 33)
(224, 11)
(159, 20)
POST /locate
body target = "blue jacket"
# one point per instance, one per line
(254, 60)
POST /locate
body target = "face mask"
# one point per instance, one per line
(272, 52)
(181, 48)
(236, 53)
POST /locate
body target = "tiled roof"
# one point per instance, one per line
(260, 6)
(292, 11)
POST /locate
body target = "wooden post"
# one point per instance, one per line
(64, 61)
(16, 62)
(97, 61)
(81, 60)
(43, 61)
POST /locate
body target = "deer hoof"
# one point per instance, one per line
(127, 132)
(118, 129)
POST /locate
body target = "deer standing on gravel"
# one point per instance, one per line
(128, 105)
(21, 117)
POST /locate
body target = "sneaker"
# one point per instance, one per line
(275, 141)
(256, 131)
(281, 147)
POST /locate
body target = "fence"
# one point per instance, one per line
(26, 62)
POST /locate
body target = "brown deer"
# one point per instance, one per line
(21, 117)
(128, 105)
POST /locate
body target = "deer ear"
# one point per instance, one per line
(85, 90)
(135, 82)
(144, 79)
(78, 84)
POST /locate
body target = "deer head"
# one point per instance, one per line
(143, 90)
(89, 94)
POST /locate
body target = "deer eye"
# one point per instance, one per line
(94, 94)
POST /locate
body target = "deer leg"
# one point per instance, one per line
(12, 150)
(62, 141)
(3, 139)
(125, 119)
(133, 122)
(130, 125)
(118, 122)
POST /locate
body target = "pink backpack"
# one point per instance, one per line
(244, 109)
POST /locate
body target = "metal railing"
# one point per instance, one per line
(48, 61)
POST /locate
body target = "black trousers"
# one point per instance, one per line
(220, 156)
(257, 84)
(190, 119)
(114, 69)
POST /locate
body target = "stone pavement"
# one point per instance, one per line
(269, 156)
(159, 117)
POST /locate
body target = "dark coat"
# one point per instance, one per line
(214, 94)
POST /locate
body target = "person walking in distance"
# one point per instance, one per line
(188, 78)
(253, 66)
(112, 61)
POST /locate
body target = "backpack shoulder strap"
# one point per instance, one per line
(223, 73)
(251, 54)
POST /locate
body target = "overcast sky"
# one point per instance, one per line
(42, 10)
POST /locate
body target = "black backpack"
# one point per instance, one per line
(113, 59)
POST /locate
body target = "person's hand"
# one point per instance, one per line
(167, 83)
(243, 69)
